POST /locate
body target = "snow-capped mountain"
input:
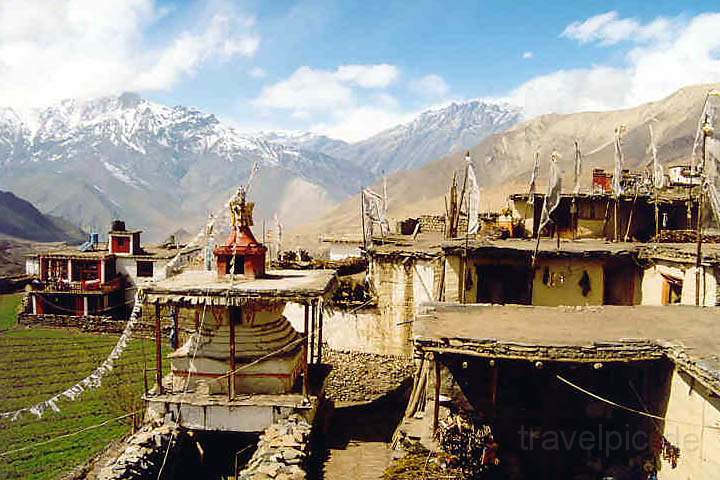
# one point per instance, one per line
(161, 167)
(157, 166)
(433, 134)
(305, 141)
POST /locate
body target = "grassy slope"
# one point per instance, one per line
(39, 363)
(8, 310)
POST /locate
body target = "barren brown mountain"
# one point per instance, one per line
(503, 161)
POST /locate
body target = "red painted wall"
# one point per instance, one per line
(117, 248)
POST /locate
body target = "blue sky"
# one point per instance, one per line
(351, 68)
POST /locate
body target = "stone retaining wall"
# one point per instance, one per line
(86, 323)
(142, 456)
(282, 452)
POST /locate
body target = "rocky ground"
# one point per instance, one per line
(362, 377)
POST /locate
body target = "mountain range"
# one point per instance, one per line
(503, 161)
(21, 220)
(160, 167)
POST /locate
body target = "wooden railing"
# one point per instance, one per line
(84, 286)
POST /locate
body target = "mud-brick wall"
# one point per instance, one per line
(402, 284)
(693, 415)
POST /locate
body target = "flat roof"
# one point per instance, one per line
(688, 335)
(200, 286)
(595, 247)
(588, 247)
(101, 251)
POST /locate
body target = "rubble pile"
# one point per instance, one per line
(684, 236)
(359, 377)
(281, 453)
(142, 456)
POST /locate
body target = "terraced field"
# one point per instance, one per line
(39, 363)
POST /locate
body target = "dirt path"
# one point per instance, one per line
(359, 436)
(358, 460)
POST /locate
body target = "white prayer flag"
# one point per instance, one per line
(473, 198)
(552, 199)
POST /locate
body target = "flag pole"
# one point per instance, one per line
(362, 216)
(707, 131)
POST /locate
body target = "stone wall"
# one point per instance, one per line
(432, 223)
(86, 323)
(436, 223)
(142, 457)
(282, 452)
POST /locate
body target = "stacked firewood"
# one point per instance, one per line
(470, 447)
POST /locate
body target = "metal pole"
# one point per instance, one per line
(158, 350)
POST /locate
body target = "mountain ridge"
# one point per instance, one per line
(503, 161)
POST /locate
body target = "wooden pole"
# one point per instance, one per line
(320, 333)
(231, 378)
(557, 231)
(158, 350)
(306, 380)
(493, 387)
(176, 327)
(698, 257)
(312, 333)
(436, 406)
(615, 219)
(362, 216)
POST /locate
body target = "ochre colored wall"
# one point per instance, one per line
(568, 292)
(693, 417)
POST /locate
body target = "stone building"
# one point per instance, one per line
(97, 278)
(584, 392)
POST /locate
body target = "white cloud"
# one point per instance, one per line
(257, 72)
(360, 123)
(54, 49)
(655, 66)
(368, 76)
(528, 55)
(609, 29)
(348, 102)
(430, 86)
(307, 89)
(310, 89)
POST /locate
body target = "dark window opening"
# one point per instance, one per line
(239, 265)
(501, 284)
(121, 241)
(144, 269)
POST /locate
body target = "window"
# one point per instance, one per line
(672, 290)
(121, 241)
(239, 265)
(144, 269)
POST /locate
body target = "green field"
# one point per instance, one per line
(39, 363)
(8, 310)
